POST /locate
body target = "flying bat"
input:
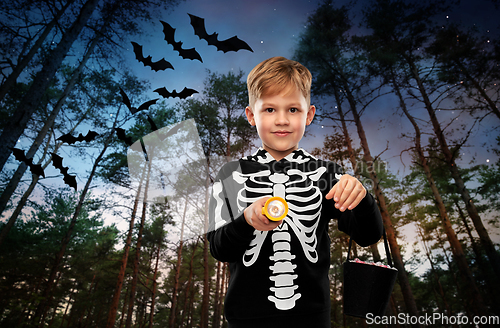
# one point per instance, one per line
(159, 65)
(70, 180)
(120, 133)
(69, 139)
(182, 95)
(34, 168)
(132, 109)
(232, 44)
(169, 33)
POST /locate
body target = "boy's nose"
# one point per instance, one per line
(281, 119)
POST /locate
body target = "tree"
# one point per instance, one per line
(25, 58)
(402, 38)
(109, 22)
(90, 85)
(32, 244)
(326, 50)
(39, 316)
(117, 162)
(155, 236)
(385, 67)
(42, 80)
(469, 61)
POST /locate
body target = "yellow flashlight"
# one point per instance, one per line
(275, 209)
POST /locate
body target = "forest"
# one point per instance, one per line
(104, 191)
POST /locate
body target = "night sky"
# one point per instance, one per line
(272, 28)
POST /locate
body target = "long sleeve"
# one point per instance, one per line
(229, 233)
(363, 223)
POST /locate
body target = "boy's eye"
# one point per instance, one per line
(293, 110)
(269, 110)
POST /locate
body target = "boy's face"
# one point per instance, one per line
(281, 120)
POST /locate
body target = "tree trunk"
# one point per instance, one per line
(155, 283)
(391, 236)
(223, 290)
(206, 269)
(190, 278)
(29, 103)
(491, 252)
(121, 274)
(218, 286)
(20, 205)
(191, 307)
(68, 303)
(10, 81)
(434, 273)
(49, 122)
(46, 296)
(173, 308)
(479, 88)
(133, 287)
(124, 307)
(472, 292)
(352, 157)
(484, 267)
(16, 178)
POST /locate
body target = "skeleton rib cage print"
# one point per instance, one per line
(300, 187)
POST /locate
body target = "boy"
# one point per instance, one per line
(279, 270)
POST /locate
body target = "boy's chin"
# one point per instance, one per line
(281, 151)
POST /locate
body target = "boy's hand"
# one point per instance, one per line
(255, 218)
(347, 193)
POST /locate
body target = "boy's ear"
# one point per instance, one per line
(310, 114)
(250, 115)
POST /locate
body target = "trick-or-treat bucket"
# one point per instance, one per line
(368, 286)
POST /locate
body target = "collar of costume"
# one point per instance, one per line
(297, 156)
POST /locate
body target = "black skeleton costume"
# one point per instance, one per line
(280, 278)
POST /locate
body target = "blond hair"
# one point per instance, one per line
(278, 74)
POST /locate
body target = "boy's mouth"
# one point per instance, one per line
(281, 133)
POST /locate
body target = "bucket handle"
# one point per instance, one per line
(387, 252)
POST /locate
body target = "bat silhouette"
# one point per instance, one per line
(69, 139)
(182, 95)
(120, 133)
(232, 44)
(34, 168)
(132, 109)
(159, 65)
(169, 33)
(128, 140)
(70, 180)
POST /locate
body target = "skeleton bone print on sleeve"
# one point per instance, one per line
(304, 198)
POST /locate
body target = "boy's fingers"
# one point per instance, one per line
(356, 201)
(343, 192)
(347, 193)
(265, 224)
(331, 192)
(352, 194)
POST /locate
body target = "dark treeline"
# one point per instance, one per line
(105, 254)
